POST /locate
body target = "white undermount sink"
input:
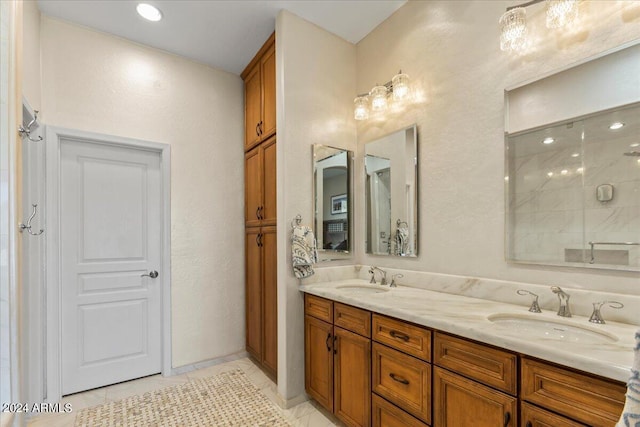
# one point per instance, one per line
(362, 289)
(528, 326)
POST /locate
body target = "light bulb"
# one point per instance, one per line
(513, 29)
(361, 108)
(379, 98)
(400, 85)
(561, 12)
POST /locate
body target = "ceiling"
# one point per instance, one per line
(225, 34)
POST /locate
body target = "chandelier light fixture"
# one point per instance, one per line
(513, 23)
(377, 100)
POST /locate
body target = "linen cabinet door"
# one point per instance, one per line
(352, 378)
(270, 300)
(253, 292)
(318, 361)
(253, 107)
(253, 177)
(268, 63)
(459, 401)
(268, 214)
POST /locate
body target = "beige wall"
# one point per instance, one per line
(316, 74)
(451, 51)
(31, 83)
(96, 82)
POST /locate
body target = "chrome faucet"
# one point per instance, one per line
(596, 317)
(563, 297)
(372, 271)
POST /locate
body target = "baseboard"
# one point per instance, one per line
(206, 363)
(290, 403)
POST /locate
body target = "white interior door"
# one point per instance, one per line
(110, 236)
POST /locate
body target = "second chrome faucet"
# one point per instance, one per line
(563, 297)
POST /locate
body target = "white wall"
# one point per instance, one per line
(315, 75)
(100, 83)
(451, 52)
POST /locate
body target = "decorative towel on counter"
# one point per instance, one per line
(303, 251)
(631, 413)
(402, 240)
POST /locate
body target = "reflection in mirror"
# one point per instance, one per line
(332, 199)
(391, 193)
(573, 192)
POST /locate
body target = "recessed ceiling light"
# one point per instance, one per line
(616, 125)
(548, 140)
(635, 144)
(575, 155)
(550, 174)
(149, 12)
(564, 171)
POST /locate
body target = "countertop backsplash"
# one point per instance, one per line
(581, 302)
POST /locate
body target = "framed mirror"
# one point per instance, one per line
(391, 194)
(333, 207)
(572, 167)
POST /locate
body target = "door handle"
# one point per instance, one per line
(327, 341)
(507, 419)
(258, 129)
(153, 274)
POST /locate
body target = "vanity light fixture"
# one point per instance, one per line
(149, 12)
(616, 125)
(635, 144)
(575, 155)
(377, 100)
(513, 23)
(548, 140)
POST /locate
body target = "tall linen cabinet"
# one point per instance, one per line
(260, 208)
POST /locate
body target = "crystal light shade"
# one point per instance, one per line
(561, 12)
(400, 84)
(361, 108)
(379, 98)
(513, 29)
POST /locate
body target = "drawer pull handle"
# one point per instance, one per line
(327, 341)
(399, 379)
(399, 335)
(507, 418)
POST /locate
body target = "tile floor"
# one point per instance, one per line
(303, 415)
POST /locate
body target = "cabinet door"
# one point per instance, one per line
(387, 415)
(532, 416)
(253, 292)
(318, 361)
(252, 107)
(253, 187)
(459, 401)
(270, 300)
(268, 63)
(352, 378)
(268, 212)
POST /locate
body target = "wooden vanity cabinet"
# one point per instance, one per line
(474, 384)
(338, 359)
(583, 397)
(532, 416)
(260, 95)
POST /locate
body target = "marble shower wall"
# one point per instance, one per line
(554, 211)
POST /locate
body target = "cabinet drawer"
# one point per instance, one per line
(403, 336)
(585, 398)
(532, 416)
(386, 414)
(352, 319)
(319, 308)
(493, 367)
(403, 380)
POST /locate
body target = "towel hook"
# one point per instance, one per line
(297, 220)
(28, 226)
(27, 131)
(399, 223)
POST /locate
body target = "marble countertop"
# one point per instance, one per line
(469, 317)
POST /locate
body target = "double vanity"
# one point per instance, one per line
(403, 356)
